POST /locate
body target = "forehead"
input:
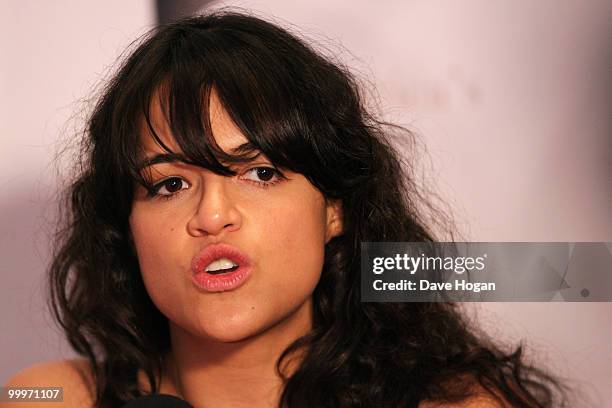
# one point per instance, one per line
(226, 133)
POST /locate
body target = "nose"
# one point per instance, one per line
(216, 212)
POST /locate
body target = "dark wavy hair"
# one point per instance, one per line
(306, 113)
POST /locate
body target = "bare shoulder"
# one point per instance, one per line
(479, 401)
(480, 398)
(73, 375)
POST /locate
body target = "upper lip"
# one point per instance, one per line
(217, 251)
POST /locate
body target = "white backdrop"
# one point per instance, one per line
(510, 97)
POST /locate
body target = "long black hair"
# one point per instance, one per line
(306, 114)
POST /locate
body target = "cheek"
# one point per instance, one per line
(149, 237)
(154, 228)
(152, 236)
(295, 247)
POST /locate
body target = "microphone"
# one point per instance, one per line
(158, 401)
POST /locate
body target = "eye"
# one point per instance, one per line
(263, 175)
(169, 186)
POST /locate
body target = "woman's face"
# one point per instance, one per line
(281, 225)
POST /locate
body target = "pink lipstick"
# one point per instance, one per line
(220, 280)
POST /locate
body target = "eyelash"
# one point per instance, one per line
(154, 190)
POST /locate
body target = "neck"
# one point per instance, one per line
(209, 373)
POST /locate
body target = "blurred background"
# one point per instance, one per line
(513, 100)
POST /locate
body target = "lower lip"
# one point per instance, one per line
(222, 282)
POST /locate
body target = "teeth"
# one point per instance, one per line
(222, 263)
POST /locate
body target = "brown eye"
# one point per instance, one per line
(263, 175)
(170, 186)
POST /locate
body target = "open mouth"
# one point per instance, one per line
(220, 268)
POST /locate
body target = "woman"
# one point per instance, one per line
(211, 247)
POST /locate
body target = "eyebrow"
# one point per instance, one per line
(244, 148)
(161, 158)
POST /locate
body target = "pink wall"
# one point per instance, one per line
(510, 97)
(53, 55)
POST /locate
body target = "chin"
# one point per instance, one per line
(234, 328)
